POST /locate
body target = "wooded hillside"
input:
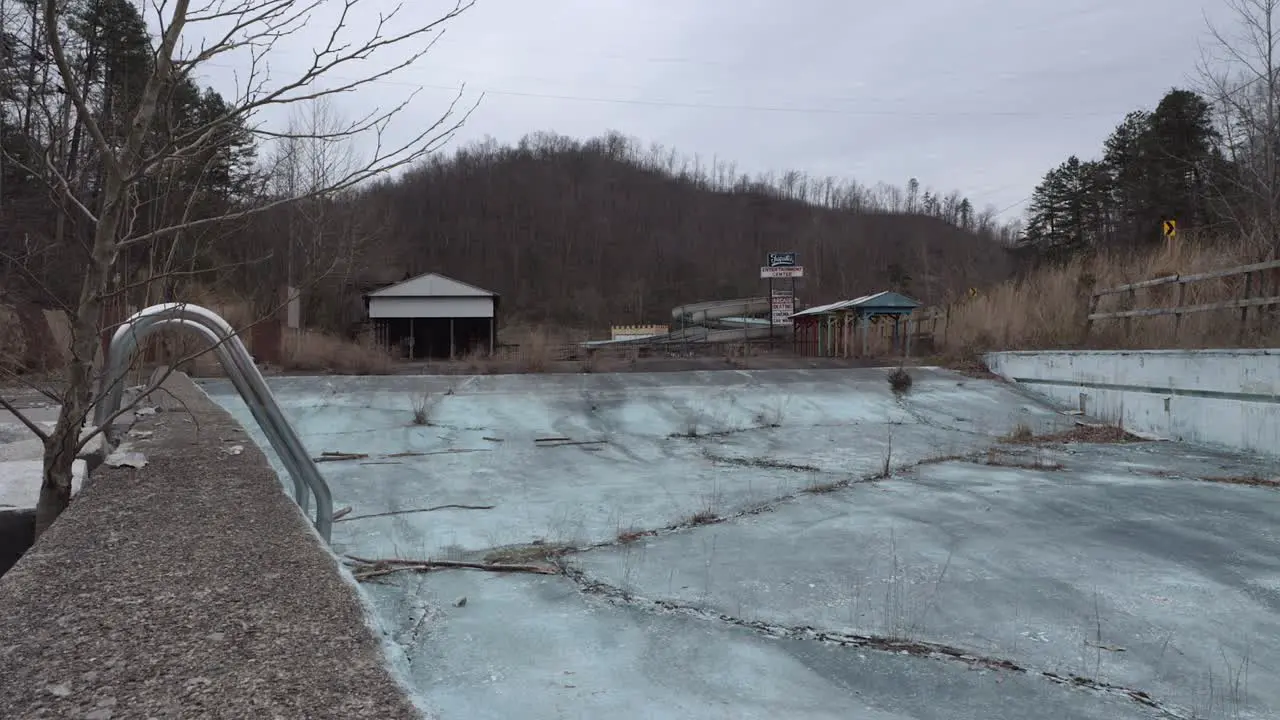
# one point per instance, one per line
(598, 232)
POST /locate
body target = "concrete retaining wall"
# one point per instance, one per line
(1224, 398)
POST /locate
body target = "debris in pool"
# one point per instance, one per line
(567, 442)
(141, 434)
(330, 456)
(126, 459)
(460, 602)
(234, 449)
(342, 513)
(145, 411)
(491, 439)
(391, 513)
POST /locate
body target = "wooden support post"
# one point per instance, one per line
(452, 344)
(1244, 311)
(1128, 321)
(1177, 315)
(1088, 319)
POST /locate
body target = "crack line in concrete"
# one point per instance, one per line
(626, 537)
(899, 646)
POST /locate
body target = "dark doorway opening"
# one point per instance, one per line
(437, 338)
(17, 533)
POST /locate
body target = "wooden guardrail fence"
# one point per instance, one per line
(1245, 301)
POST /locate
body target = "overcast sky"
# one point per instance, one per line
(982, 96)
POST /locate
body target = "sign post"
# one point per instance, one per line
(1170, 229)
(782, 303)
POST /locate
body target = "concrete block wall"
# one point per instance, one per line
(1223, 398)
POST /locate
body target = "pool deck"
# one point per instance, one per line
(191, 588)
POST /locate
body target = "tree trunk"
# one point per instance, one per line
(64, 442)
(59, 458)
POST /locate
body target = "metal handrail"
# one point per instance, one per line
(244, 375)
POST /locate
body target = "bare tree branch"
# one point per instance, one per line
(40, 433)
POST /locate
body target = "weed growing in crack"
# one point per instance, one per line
(900, 380)
(630, 535)
(815, 487)
(772, 416)
(423, 407)
(905, 612)
(704, 516)
(711, 558)
(1021, 433)
(888, 453)
(761, 463)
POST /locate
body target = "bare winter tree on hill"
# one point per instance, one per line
(1240, 74)
(113, 175)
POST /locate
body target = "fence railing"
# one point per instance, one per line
(1243, 302)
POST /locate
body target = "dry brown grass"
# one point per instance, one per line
(1096, 434)
(520, 554)
(535, 353)
(11, 340)
(631, 535)
(1021, 433)
(703, 517)
(1048, 308)
(318, 352)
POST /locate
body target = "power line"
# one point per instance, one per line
(1014, 205)
(732, 107)
(879, 112)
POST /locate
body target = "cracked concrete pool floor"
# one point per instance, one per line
(731, 548)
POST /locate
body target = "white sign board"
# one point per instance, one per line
(782, 308)
(794, 271)
(294, 313)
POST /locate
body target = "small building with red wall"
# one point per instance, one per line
(841, 329)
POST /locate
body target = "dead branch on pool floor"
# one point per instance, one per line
(564, 443)
(450, 451)
(342, 513)
(371, 568)
(339, 456)
(344, 456)
(389, 513)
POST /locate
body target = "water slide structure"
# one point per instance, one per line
(713, 321)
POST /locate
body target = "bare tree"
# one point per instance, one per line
(1240, 74)
(231, 29)
(323, 239)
